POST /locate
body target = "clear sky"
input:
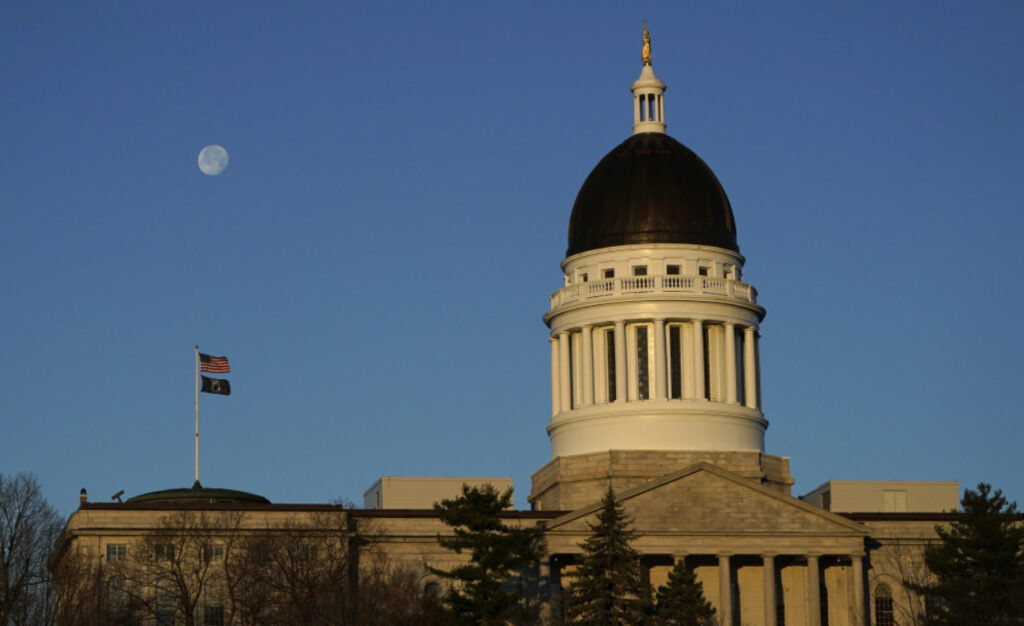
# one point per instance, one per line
(376, 258)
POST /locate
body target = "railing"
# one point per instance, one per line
(694, 285)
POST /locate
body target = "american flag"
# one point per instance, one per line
(213, 364)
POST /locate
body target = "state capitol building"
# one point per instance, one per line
(656, 392)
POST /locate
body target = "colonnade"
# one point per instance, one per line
(656, 359)
(798, 602)
(815, 613)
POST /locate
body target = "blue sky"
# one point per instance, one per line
(376, 259)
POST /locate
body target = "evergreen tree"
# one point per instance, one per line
(607, 589)
(978, 567)
(484, 590)
(681, 600)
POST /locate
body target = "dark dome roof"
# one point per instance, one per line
(198, 494)
(651, 189)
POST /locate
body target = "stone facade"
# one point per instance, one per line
(764, 557)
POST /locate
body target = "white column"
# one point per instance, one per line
(698, 360)
(813, 591)
(724, 589)
(556, 403)
(660, 362)
(770, 600)
(730, 363)
(750, 367)
(564, 381)
(621, 393)
(858, 612)
(587, 367)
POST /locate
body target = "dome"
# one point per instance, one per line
(198, 494)
(651, 189)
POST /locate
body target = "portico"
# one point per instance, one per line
(762, 557)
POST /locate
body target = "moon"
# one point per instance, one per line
(213, 160)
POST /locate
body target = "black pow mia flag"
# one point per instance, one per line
(218, 386)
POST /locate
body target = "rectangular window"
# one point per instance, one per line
(672, 270)
(164, 552)
(608, 273)
(643, 388)
(704, 270)
(117, 551)
(675, 353)
(584, 277)
(308, 553)
(609, 348)
(707, 363)
(884, 613)
(213, 553)
(165, 610)
(575, 354)
(213, 615)
(639, 270)
(741, 387)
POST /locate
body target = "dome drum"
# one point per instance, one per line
(657, 426)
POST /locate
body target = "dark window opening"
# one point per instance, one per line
(572, 371)
(884, 615)
(639, 270)
(609, 342)
(116, 551)
(213, 553)
(707, 362)
(608, 273)
(213, 615)
(643, 384)
(672, 270)
(676, 358)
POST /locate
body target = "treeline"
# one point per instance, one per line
(606, 588)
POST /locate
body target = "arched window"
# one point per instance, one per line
(883, 606)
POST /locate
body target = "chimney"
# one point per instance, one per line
(83, 497)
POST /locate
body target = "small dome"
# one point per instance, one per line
(651, 189)
(198, 494)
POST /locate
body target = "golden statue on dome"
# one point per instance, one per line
(645, 55)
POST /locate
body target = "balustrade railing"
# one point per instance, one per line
(695, 285)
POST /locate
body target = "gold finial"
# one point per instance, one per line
(645, 56)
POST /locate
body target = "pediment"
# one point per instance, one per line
(704, 499)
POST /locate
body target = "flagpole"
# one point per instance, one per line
(197, 414)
